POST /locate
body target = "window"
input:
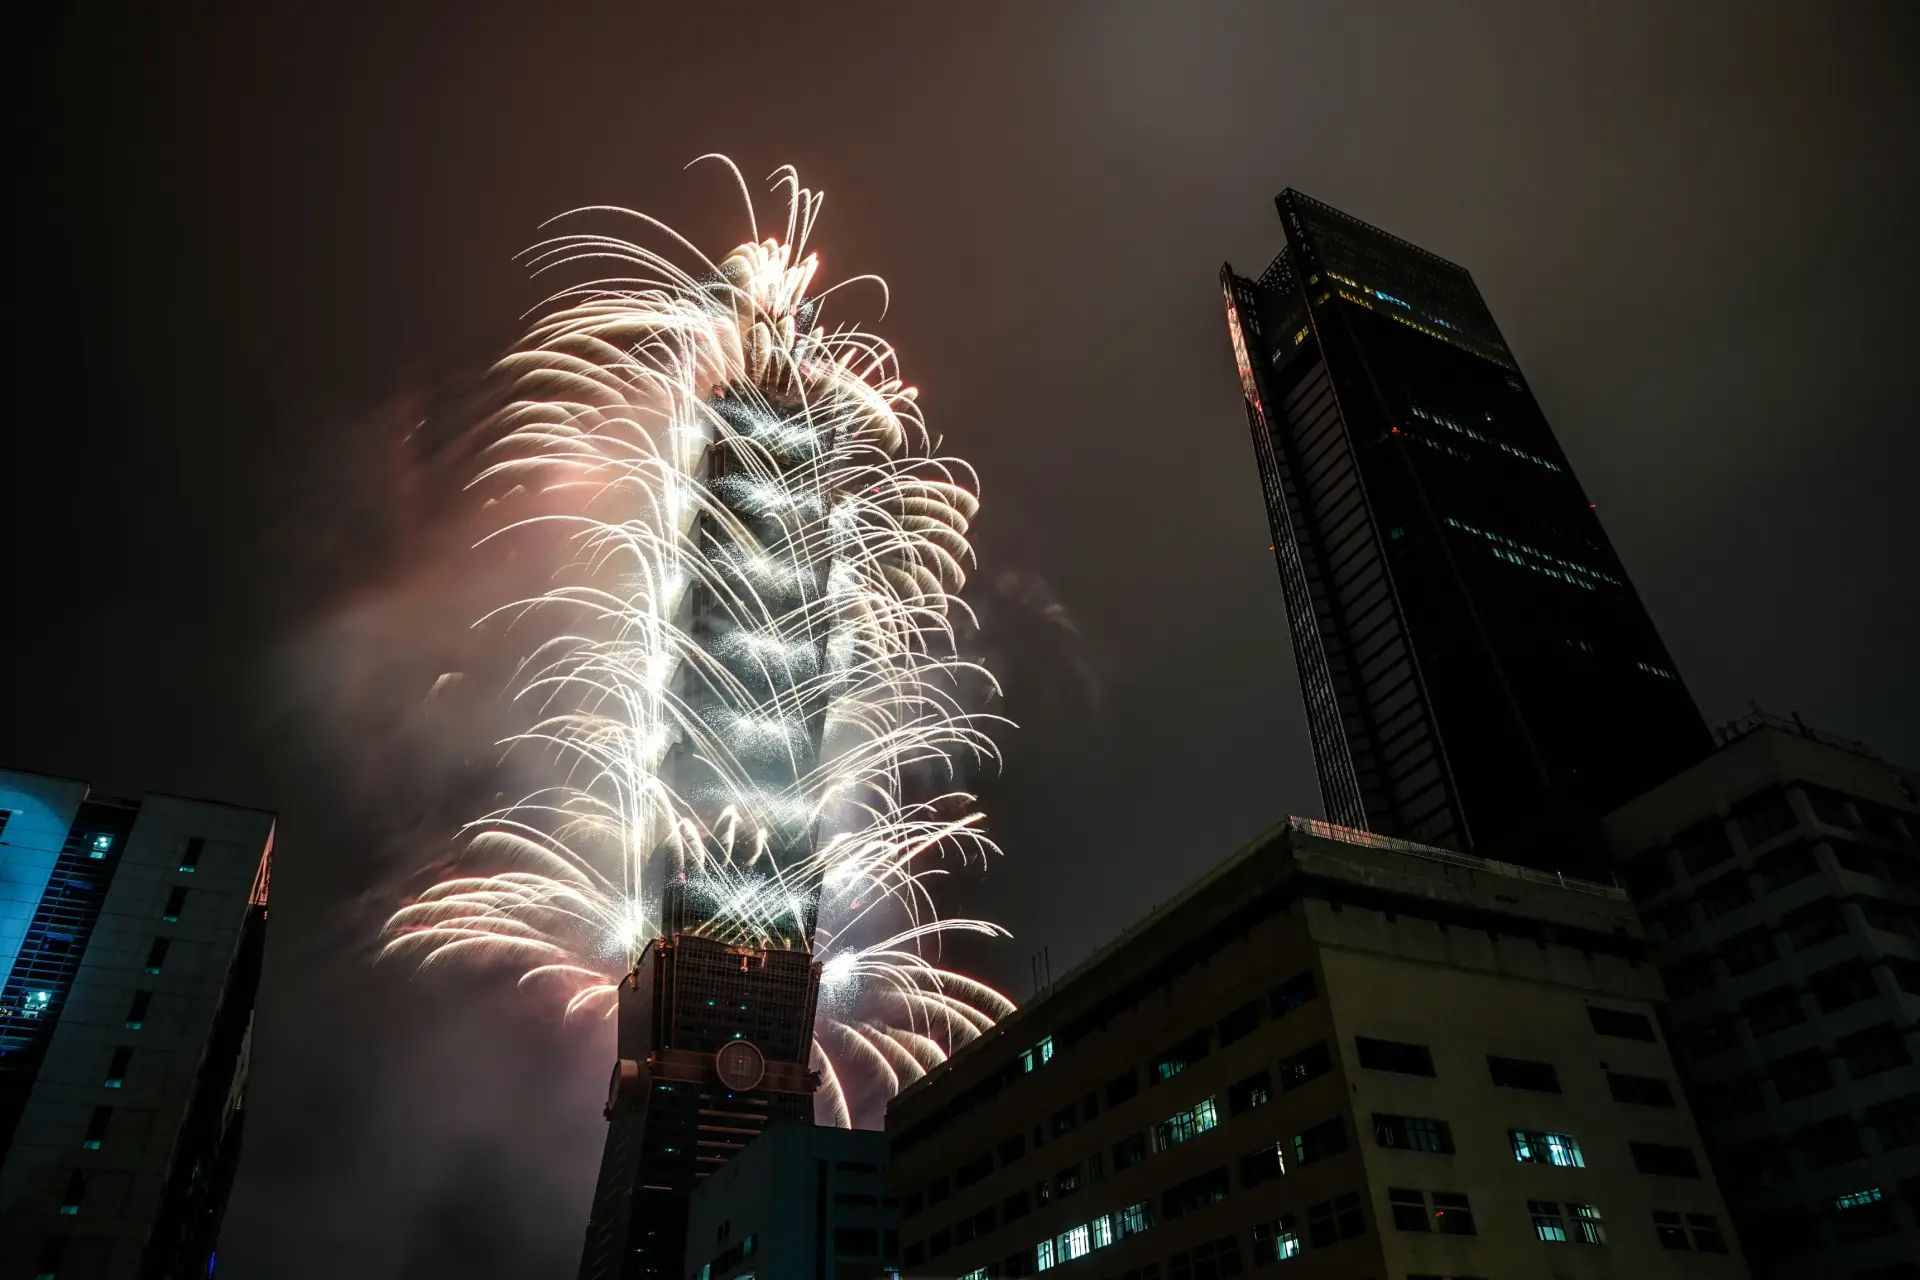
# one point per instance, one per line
(137, 1011)
(117, 1066)
(1067, 1181)
(1129, 1151)
(1763, 816)
(1672, 1229)
(1291, 994)
(1183, 1125)
(1013, 1148)
(939, 1242)
(1813, 924)
(1688, 977)
(1897, 1122)
(1089, 1107)
(157, 954)
(1393, 1055)
(76, 1192)
(1518, 1073)
(973, 1170)
(190, 856)
(1711, 1035)
(915, 1254)
(1064, 1120)
(1547, 1223)
(1829, 807)
(1647, 873)
(1275, 1241)
(937, 1190)
(1332, 1221)
(910, 1205)
(1042, 1192)
(97, 1128)
(175, 901)
(1745, 952)
(1800, 1074)
(1724, 896)
(1586, 1224)
(1703, 846)
(1786, 866)
(1665, 1161)
(1042, 1255)
(1133, 1219)
(1862, 1215)
(1409, 1209)
(1887, 917)
(1412, 1133)
(1774, 1010)
(855, 1166)
(1558, 1149)
(1618, 1022)
(1263, 1165)
(1841, 985)
(1640, 1091)
(1328, 1138)
(1195, 1193)
(1240, 1022)
(855, 1242)
(1178, 1058)
(1311, 1062)
(1829, 1142)
(1872, 1051)
(1452, 1216)
(1014, 1207)
(1122, 1087)
(1096, 1168)
(1735, 1096)
(1255, 1091)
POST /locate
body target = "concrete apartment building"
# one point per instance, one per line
(1780, 884)
(131, 939)
(1351, 1054)
(798, 1202)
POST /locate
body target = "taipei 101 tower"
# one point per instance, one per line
(715, 1020)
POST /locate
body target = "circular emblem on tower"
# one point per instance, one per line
(740, 1065)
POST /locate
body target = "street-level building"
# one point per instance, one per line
(799, 1202)
(1780, 884)
(131, 938)
(1356, 1055)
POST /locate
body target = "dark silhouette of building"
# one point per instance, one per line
(1478, 671)
(131, 934)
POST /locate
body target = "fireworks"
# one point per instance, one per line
(746, 671)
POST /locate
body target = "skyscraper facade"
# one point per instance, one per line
(1478, 671)
(716, 1020)
(131, 938)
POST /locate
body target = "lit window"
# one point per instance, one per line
(175, 901)
(101, 843)
(117, 1066)
(157, 954)
(36, 1003)
(137, 1011)
(1043, 1255)
(1587, 1227)
(1546, 1148)
(1857, 1199)
(1275, 1241)
(97, 1128)
(1547, 1223)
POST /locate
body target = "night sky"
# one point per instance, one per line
(266, 240)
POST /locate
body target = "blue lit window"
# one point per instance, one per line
(117, 1066)
(157, 954)
(190, 856)
(1546, 1148)
(1857, 1199)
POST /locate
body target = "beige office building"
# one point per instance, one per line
(1336, 1055)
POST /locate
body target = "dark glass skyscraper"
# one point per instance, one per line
(1478, 671)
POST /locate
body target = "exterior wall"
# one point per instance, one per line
(105, 1219)
(1780, 879)
(812, 1201)
(1466, 997)
(1288, 952)
(38, 812)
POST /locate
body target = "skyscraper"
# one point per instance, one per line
(131, 935)
(1478, 671)
(716, 1020)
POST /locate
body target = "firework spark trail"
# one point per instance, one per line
(749, 655)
